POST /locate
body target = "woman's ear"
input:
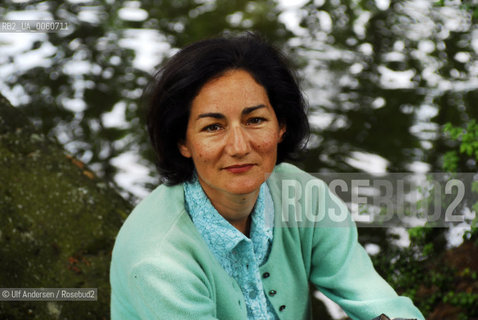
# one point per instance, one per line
(282, 131)
(184, 150)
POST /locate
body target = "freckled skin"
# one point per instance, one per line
(232, 124)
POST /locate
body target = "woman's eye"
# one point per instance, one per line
(256, 120)
(212, 127)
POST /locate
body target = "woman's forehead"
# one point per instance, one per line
(235, 89)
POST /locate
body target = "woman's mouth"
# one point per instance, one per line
(240, 168)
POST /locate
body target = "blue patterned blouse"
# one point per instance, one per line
(239, 255)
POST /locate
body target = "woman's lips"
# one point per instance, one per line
(239, 168)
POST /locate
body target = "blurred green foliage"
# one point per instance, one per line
(443, 283)
(388, 67)
(468, 149)
(468, 138)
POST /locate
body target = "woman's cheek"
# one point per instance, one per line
(266, 144)
(206, 152)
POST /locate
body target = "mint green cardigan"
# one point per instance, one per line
(162, 269)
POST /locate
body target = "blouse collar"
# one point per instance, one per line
(220, 236)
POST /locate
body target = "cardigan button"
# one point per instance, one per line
(272, 293)
(266, 275)
(282, 307)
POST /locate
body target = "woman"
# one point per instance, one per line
(217, 240)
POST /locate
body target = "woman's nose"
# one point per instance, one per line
(237, 144)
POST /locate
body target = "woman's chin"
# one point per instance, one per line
(244, 186)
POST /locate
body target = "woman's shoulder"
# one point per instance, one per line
(156, 222)
(157, 211)
(301, 199)
(158, 250)
(289, 172)
(288, 168)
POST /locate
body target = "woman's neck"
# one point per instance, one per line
(236, 209)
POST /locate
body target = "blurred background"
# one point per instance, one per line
(392, 86)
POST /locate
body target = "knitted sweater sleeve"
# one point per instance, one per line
(343, 271)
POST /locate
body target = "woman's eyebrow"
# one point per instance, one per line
(211, 115)
(217, 115)
(250, 109)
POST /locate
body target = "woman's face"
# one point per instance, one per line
(232, 135)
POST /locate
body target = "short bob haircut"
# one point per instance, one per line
(179, 81)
